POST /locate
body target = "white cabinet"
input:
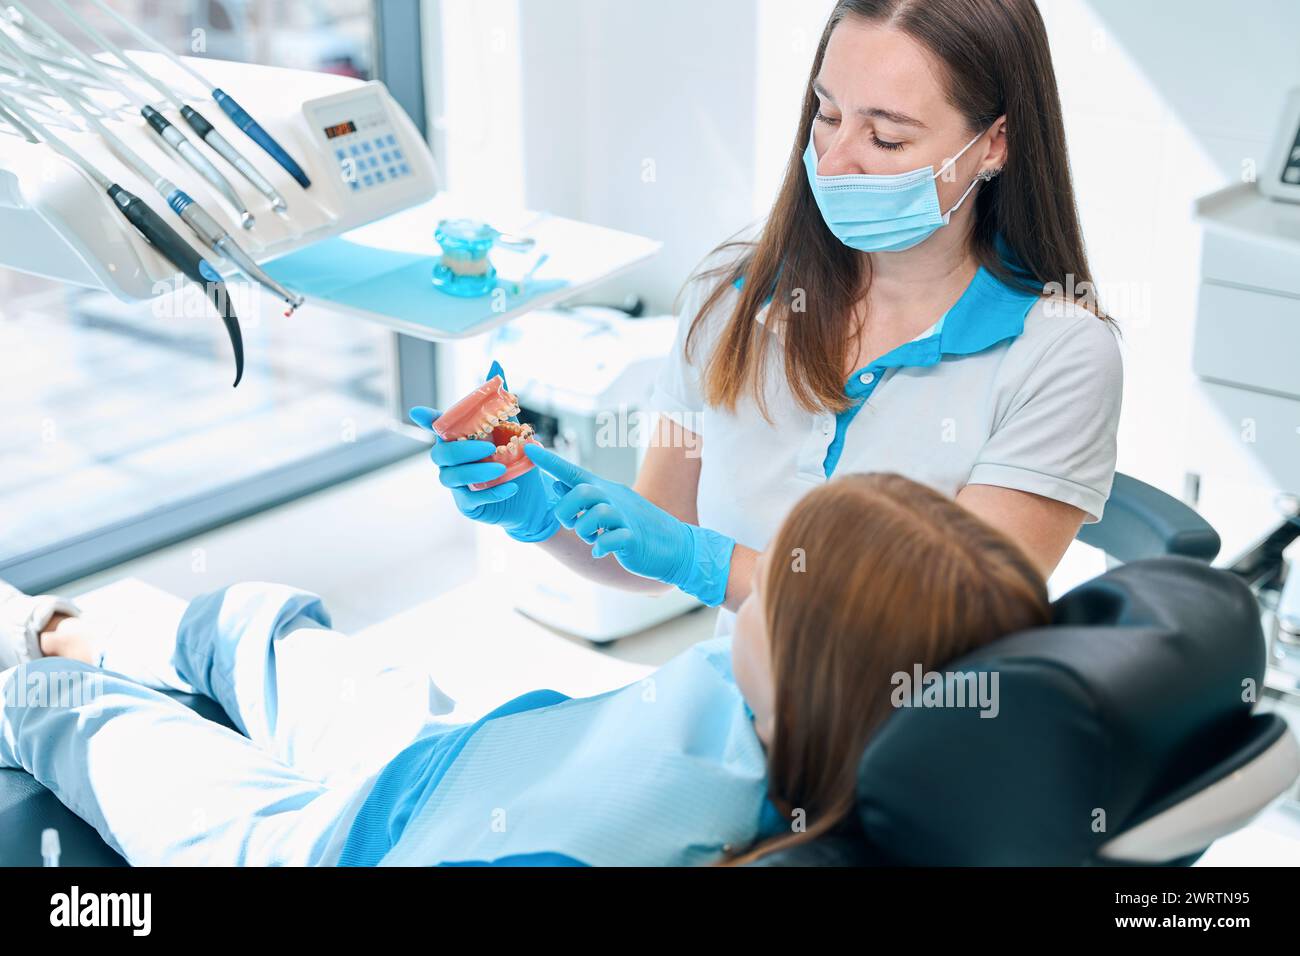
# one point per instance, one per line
(1247, 341)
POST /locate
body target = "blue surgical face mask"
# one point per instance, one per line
(879, 213)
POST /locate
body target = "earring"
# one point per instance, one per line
(987, 175)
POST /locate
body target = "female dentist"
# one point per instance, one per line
(917, 301)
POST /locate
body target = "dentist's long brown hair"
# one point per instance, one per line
(869, 576)
(997, 61)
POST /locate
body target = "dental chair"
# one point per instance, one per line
(1125, 732)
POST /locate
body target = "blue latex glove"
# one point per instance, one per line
(523, 507)
(645, 539)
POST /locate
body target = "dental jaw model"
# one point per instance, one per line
(486, 414)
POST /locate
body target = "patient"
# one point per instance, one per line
(725, 754)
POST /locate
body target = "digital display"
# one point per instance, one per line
(340, 129)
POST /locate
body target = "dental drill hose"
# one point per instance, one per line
(183, 256)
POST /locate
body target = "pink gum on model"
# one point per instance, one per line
(484, 415)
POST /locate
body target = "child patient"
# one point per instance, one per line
(735, 748)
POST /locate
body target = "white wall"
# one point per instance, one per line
(674, 119)
(641, 116)
(1164, 102)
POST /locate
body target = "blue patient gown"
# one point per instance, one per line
(323, 769)
(665, 771)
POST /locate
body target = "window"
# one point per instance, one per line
(120, 430)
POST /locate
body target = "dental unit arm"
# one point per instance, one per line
(147, 223)
(201, 223)
(364, 156)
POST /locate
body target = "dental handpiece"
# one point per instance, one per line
(157, 122)
(153, 228)
(220, 145)
(187, 151)
(172, 136)
(237, 113)
(210, 231)
(191, 265)
(205, 131)
(253, 129)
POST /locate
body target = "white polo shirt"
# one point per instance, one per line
(1007, 388)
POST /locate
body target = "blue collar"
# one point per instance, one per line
(987, 313)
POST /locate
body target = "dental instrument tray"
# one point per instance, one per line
(383, 273)
(359, 154)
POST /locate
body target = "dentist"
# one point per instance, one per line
(917, 301)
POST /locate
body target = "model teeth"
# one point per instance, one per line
(500, 417)
(489, 425)
(516, 442)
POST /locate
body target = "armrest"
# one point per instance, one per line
(1143, 522)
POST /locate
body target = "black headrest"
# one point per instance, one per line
(1098, 715)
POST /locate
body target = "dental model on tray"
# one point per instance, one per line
(488, 414)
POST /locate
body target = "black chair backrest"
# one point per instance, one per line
(1144, 672)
